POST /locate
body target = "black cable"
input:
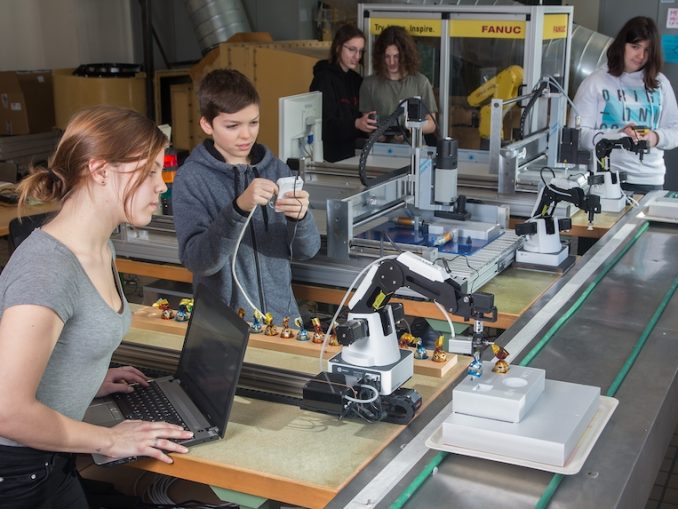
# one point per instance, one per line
(294, 232)
(392, 119)
(367, 148)
(536, 92)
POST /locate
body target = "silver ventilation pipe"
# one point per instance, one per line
(214, 21)
(587, 52)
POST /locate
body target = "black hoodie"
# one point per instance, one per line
(340, 108)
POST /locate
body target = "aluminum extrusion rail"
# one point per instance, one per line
(257, 381)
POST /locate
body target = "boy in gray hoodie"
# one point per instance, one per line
(224, 181)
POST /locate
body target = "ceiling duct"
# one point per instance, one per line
(214, 21)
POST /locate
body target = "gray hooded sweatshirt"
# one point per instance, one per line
(208, 223)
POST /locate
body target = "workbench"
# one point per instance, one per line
(278, 451)
(598, 316)
(589, 349)
(514, 290)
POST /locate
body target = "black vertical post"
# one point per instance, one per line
(147, 35)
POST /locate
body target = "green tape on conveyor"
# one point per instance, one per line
(582, 298)
(418, 481)
(550, 490)
(642, 340)
(546, 497)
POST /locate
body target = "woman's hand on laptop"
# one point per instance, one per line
(121, 380)
(151, 439)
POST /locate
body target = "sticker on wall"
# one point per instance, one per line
(672, 17)
(670, 48)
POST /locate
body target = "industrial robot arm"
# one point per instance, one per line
(369, 329)
(542, 244)
(605, 146)
(605, 181)
(371, 359)
(504, 85)
(570, 191)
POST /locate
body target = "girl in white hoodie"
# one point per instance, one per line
(628, 93)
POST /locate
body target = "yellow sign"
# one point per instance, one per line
(487, 28)
(415, 27)
(555, 26)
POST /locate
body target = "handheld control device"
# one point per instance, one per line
(288, 184)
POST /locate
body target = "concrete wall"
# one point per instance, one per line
(87, 31)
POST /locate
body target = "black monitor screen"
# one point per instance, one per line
(212, 356)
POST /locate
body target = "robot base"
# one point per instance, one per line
(389, 378)
(613, 204)
(549, 259)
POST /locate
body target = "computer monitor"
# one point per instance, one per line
(300, 126)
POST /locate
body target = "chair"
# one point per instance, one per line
(21, 227)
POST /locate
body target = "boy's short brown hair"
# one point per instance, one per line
(225, 91)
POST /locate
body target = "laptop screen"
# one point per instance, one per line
(212, 356)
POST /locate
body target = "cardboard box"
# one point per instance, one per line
(26, 102)
(181, 99)
(73, 93)
(264, 64)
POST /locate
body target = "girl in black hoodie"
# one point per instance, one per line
(340, 84)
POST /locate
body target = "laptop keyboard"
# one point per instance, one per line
(148, 404)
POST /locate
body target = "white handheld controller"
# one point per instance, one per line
(288, 184)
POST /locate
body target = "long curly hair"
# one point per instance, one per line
(407, 49)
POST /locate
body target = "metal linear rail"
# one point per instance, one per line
(261, 382)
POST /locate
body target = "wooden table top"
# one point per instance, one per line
(514, 290)
(279, 451)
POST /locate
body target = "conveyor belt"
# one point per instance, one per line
(591, 347)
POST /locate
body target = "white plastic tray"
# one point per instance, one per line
(574, 462)
(645, 214)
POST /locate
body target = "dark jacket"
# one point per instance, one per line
(340, 91)
(208, 225)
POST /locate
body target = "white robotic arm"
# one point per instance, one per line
(369, 334)
(542, 244)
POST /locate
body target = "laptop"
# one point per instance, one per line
(202, 391)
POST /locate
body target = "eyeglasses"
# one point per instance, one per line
(352, 50)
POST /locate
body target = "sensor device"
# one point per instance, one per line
(642, 130)
(289, 184)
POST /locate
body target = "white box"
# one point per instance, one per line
(506, 397)
(548, 434)
(664, 207)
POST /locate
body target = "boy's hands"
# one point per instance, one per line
(259, 192)
(294, 204)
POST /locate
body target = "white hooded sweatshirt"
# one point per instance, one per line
(606, 104)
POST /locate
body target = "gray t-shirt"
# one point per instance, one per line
(44, 272)
(383, 95)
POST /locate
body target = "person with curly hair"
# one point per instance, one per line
(396, 62)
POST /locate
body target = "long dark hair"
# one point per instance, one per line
(637, 29)
(407, 49)
(343, 35)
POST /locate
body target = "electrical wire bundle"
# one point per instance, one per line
(158, 497)
(237, 247)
